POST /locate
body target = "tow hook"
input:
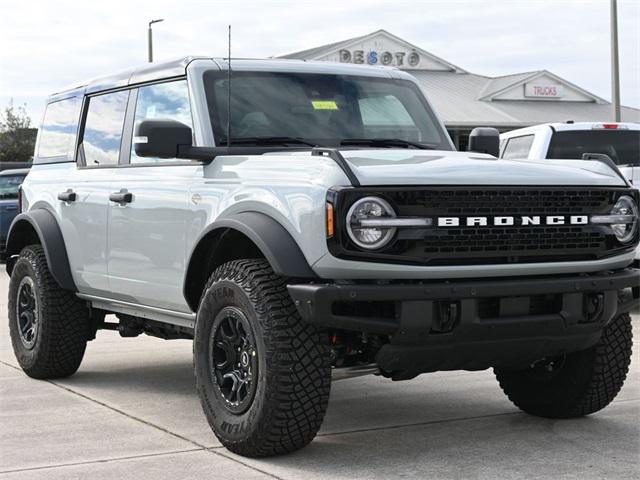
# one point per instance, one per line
(447, 317)
(593, 307)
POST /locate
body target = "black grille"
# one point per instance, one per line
(468, 202)
(492, 244)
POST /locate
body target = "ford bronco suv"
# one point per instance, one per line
(302, 221)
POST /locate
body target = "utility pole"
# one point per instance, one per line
(150, 38)
(615, 64)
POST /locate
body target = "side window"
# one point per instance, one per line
(518, 147)
(163, 100)
(59, 128)
(103, 128)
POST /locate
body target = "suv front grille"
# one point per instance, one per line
(491, 244)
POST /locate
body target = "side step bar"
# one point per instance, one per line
(180, 319)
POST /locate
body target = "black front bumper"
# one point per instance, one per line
(451, 325)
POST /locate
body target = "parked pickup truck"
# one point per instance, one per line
(301, 220)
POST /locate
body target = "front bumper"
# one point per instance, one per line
(473, 324)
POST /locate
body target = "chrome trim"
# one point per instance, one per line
(613, 219)
(395, 222)
(172, 317)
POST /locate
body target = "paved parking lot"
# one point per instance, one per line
(132, 412)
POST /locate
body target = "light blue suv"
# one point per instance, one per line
(299, 220)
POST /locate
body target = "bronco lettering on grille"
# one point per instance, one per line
(506, 221)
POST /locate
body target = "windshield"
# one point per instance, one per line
(322, 109)
(622, 146)
(9, 185)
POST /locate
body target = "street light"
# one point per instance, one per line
(151, 38)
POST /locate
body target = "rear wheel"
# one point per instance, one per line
(263, 375)
(49, 326)
(576, 384)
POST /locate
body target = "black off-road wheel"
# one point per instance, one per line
(49, 326)
(263, 376)
(577, 384)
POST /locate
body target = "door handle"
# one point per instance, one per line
(121, 197)
(68, 196)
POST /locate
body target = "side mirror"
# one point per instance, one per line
(484, 140)
(161, 138)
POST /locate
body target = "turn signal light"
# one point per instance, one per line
(330, 226)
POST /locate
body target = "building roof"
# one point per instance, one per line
(457, 98)
(465, 99)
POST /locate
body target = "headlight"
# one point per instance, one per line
(366, 211)
(625, 231)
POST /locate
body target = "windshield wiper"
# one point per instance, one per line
(386, 142)
(266, 141)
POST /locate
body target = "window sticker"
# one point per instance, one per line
(324, 105)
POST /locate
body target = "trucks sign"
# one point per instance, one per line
(542, 91)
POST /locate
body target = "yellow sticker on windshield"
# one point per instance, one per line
(324, 105)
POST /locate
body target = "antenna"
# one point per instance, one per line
(229, 93)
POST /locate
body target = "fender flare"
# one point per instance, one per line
(44, 223)
(272, 239)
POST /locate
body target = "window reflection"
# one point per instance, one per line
(163, 100)
(58, 132)
(103, 128)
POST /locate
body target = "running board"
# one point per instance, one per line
(180, 319)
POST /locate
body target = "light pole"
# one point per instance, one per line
(615, 66)
(150, 42)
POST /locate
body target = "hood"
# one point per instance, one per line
(433, 167)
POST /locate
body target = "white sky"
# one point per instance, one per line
(47, 45)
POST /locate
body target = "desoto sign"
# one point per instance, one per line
(542, 91)
(373, 57)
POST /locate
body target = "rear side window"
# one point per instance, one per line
(163, 100)
(58, 131)
(518, 147)
(103, 128)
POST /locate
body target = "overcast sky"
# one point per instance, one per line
(47, 45)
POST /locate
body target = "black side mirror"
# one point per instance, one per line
(161, 138)
(484, 140)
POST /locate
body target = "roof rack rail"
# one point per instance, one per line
(337, 157)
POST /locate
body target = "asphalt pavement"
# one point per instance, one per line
(131, 411)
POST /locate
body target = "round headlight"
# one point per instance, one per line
(625, 206)
(369, 237)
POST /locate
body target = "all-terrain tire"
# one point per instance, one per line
(583, 382)
(62, 320)
(293, 363)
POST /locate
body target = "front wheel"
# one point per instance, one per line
(263, 376)
(577, 384)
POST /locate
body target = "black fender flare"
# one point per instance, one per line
(46, 227)
(272, 239)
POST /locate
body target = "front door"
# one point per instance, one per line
(147, 231)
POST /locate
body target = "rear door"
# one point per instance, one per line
(147, 236)
(84, 215)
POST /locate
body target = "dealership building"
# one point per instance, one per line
(465, 100)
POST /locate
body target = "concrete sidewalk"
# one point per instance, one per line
(131, 411)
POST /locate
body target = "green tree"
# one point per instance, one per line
(17, 139)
